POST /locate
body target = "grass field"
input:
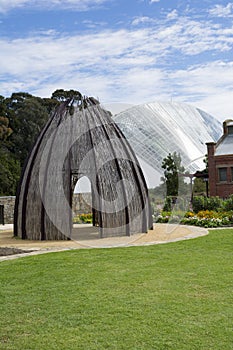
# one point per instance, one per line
(173, 296)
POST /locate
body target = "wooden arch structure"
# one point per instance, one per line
(81, 139)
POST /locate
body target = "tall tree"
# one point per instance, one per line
(22, 116)
(5, 131)
(27, 116)
(9, 165)
(9, 173)
(172, 168)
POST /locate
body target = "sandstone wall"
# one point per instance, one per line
(81, 205)
(9, 204)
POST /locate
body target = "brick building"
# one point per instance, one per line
(220, 163)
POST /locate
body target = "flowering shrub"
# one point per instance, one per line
(204, 218)
(207, 214)
(171, 217)
(189, 214)
(209, 218)
(162, 218)
(204, 222)
(83, 219)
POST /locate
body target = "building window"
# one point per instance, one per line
(222, 174)
(232, 174)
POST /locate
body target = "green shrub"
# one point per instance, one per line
(168, 204)
(207, 203)
(177, 203)
(198, 203)
(213, 203)
(228, 204)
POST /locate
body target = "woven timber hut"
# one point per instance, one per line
(80, 139)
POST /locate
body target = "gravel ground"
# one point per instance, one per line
(85, 236)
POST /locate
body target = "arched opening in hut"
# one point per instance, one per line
(83, 185)
(82, 210)
(82, 201)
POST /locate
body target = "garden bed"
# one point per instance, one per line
(204, 218)
(208, 212)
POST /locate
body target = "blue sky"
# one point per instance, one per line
(121, 51)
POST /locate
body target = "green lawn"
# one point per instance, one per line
(173, 296)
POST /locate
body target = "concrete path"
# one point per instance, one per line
(87, 236)
(6, 227)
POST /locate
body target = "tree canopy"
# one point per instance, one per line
(22, 117)
(62, 95)
(172, 170)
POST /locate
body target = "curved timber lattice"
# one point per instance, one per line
(81, 139)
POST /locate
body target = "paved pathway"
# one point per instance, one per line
(86, 236)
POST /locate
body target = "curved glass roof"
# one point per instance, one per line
(155, 129)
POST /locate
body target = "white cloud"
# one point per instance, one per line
(77, 5)
(194, 37)
(209, 86)
(143, 20)
(6, 5)
(222, 11)
(152, 1)
(133, 66)
(92, 24)
(172, 15)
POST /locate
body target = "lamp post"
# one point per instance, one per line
(198, 174)
(191, 176)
